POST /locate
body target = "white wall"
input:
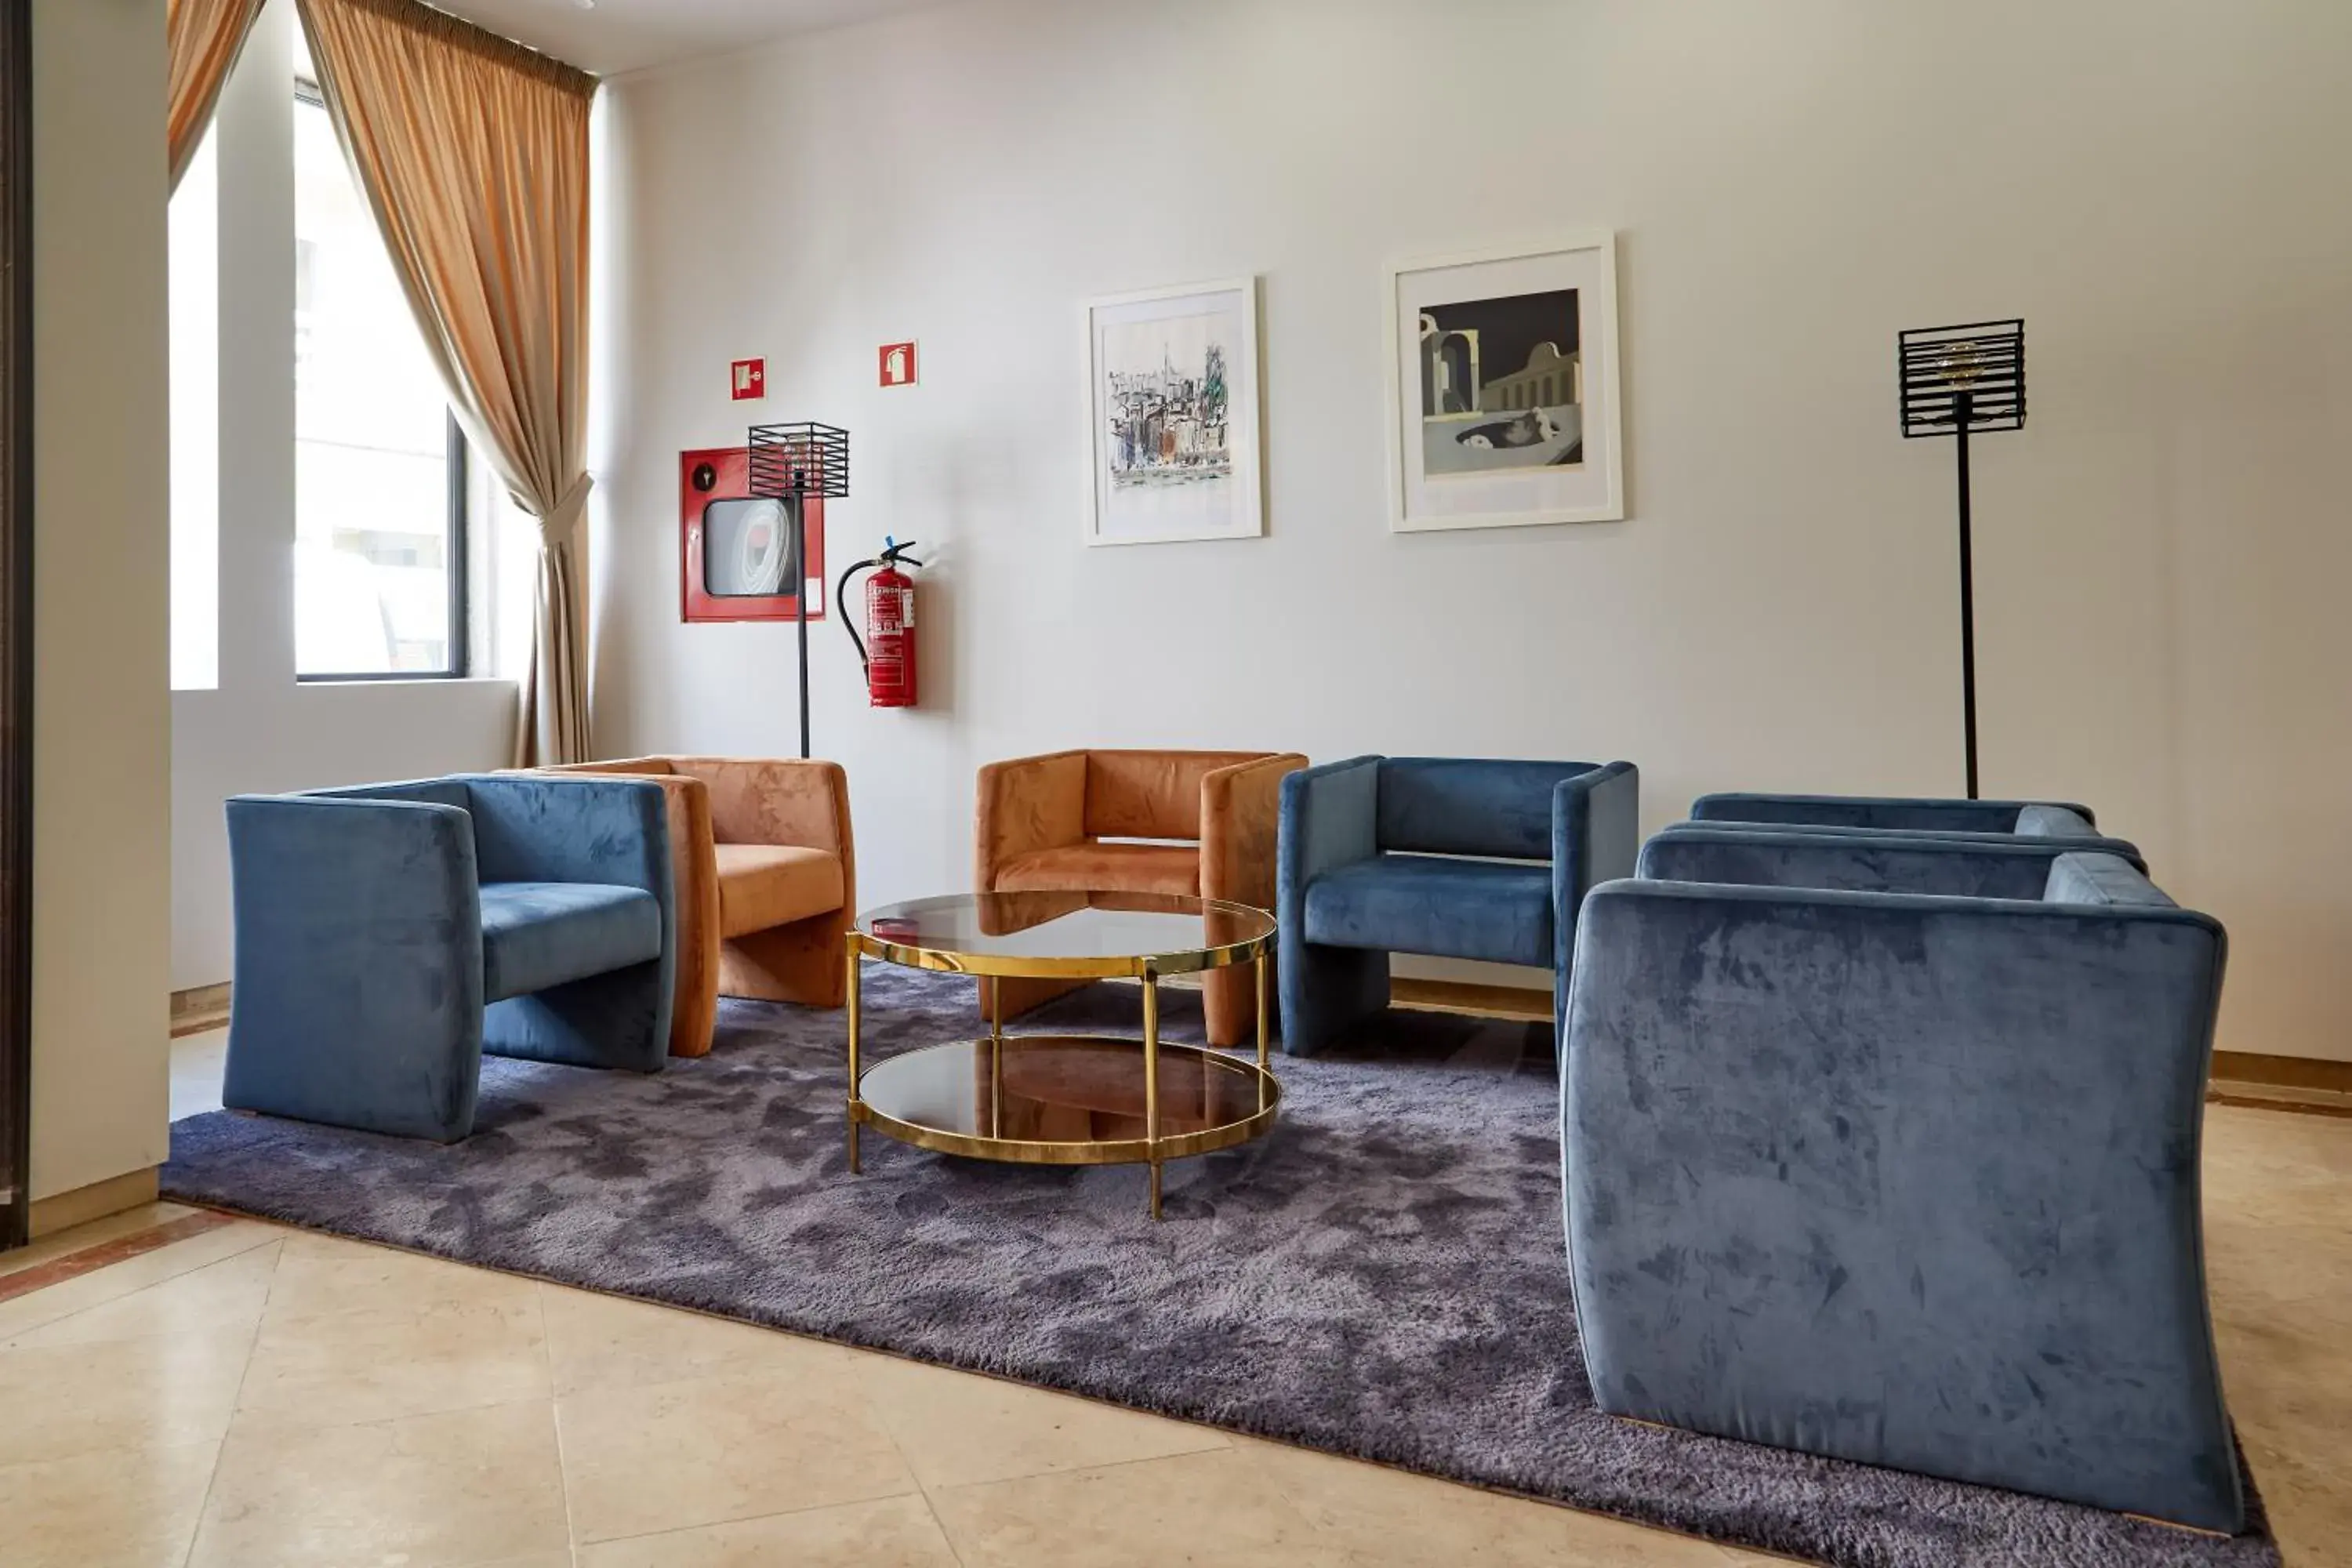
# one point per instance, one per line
(101, 735)
(260, 731)
(2152, 184)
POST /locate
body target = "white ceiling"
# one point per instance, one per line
(616, 36)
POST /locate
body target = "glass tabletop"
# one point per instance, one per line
(1101, 933)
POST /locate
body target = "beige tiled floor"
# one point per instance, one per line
(256, 1397)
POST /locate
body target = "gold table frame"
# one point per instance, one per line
(1152, 1148)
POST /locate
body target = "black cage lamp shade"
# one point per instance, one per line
(1971, 377)
(803, 459)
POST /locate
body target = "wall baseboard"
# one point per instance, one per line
(1466, 996)
(199, 1008)
(2283, 1072)
(2311, 1085)
(63, 1211)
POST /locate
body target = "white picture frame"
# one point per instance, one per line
(1491, 422)
(1175, 448)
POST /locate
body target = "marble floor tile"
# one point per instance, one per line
(145, 1216)
(197, 1063)
(2308, 1493)
(21, 1314)
(1380, 1516)
(318, 1275)
(163, 1392)
(957, 1428)
(641, 1458)
(229, 1294)
(409, 1359)
(896, 1532)
(607, 1341)
(1216, 1508)
(132, 1508)
(458, 1487)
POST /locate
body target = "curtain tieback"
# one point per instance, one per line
(558, 524)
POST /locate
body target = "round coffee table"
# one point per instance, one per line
(1065, 1100)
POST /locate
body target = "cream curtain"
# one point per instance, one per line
(474, 154)
(205, 38)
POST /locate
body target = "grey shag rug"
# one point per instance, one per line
(1383, 1276)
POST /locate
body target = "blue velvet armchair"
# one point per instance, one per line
(388, 935)
(1888, 1151)
(1455, 857)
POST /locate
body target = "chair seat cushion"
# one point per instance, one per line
(537, 934)
(1108, 867)
(764, 884)
(1500, 911)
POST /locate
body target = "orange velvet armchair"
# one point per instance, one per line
(767, 882)
(1201, 824)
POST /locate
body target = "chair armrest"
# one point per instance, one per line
(1993, 867)
(1241, 816)
(1330, 818)
(1596, 833)
(358, 970)
(1023, 805)
(1902, 813)
(317, 878)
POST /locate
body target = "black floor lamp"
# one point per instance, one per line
(1958, 380)
(790, 463)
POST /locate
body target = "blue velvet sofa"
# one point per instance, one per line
(388, 935)
(1888, 1149)
(1456, 857)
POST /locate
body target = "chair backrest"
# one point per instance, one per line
(1994, 866)
(1461, 805)
(1900, 814)
(654, 767)
(1150, 794)
(416, 792)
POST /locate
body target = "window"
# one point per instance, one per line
(380, 467)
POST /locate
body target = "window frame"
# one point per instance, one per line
(459, 506)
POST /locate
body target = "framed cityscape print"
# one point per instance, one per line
(1172, 426)
(1503, 401)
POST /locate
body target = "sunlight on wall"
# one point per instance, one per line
(195, 425)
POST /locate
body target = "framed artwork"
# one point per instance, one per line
(735, 551)
(1503, 401)
(1172, 424)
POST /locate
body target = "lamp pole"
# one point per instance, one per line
(798, 510)
(1962, 406)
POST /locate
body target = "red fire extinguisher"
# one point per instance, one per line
(887, 649)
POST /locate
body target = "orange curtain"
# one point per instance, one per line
(474, 154)
(205, 38)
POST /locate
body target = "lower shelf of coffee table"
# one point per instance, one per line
(1065, 1100)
